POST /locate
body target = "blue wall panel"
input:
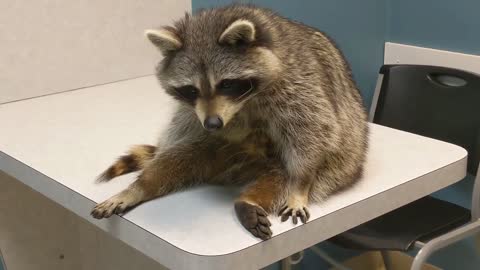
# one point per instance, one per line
(441, 24)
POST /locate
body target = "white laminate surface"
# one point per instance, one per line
(58, 144)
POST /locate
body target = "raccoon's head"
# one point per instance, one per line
(215, 62)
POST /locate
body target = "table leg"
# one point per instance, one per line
(285, 264)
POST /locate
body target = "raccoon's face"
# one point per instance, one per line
(214, 68)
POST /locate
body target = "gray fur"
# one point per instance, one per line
(312, 108)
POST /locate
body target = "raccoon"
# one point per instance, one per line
(264, 102)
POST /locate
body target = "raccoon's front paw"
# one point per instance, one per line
(295, 211)
(254, 219)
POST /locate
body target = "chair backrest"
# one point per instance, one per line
(437, 102)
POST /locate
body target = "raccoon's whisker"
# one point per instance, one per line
(254, 95)
(243, 161)
(248, 91)
(242, 95)
(236, 154)
(258, 92)
(224, 146)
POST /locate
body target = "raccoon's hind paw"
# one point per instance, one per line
(118, 204)
(294, 211)
(107, 209)
(254, 219)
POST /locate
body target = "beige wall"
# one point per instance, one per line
(49, 46)
(35, 232)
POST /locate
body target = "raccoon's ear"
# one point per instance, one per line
(239, 31)
(164, 39)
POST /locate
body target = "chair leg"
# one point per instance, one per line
(421, 258)
(387, 260)
(443, 241)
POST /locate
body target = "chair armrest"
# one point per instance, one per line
(443, 241)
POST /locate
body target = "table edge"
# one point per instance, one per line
(138, 237)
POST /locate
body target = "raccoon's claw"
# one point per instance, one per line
(295, 212)
(254, 219)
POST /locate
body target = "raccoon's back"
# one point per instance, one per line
(314, 59)
(317, 82)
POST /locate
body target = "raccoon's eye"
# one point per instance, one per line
(188, 92)
(225, 84)
(235, 87)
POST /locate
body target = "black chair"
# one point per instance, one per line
(437, 102)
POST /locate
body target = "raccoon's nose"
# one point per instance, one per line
(213, 123)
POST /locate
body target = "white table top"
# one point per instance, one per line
(58, 144)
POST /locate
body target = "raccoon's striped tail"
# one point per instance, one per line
(135, 159)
